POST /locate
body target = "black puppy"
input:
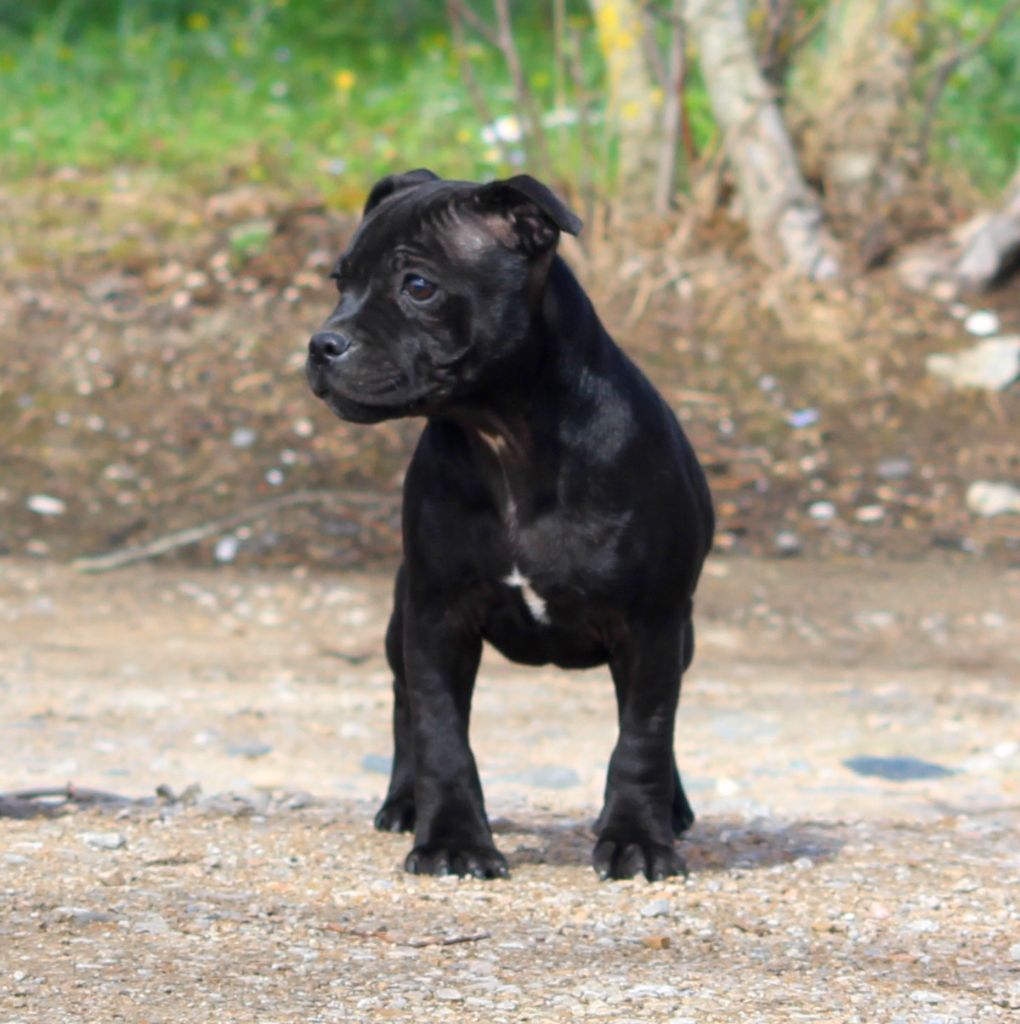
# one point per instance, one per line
(553, 506)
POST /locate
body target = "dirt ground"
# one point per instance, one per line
(850, 738)
(152, 346)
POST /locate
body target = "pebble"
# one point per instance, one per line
(450, 995)
(274, 477)
(982, 323)
(82, 915)
(822, 511)
(152, 924)
(801, 418)
(993, 498)
(925, 995)
(46, 505)
(104, 840)
(226, 548)
(250, 749)
(897, 769)
(657, 908)
(1014, 952)
(894, 469)
(243, 437)
(788, 543)
(870, 513)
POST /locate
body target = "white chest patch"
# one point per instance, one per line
(535, 603)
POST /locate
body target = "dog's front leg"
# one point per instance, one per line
(635, 828)
(452, 834)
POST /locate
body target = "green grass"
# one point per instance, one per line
(330, 95)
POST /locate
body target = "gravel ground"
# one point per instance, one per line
(849, 737)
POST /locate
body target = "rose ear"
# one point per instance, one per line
(392, 183)
(534, 214)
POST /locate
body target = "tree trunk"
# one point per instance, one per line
(634, 100)
(784, 216)
(855, 93)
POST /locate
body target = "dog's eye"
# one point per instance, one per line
(418, 288)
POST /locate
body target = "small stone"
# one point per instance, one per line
(251, 749)
(274, 477)
(894, 469)
(304, 427)
(104, 840)
(788, 543)
(993, 498)
(657, 908)
(112, 878)
(243, 437)
(226, 549)
(982, 323)
(152, 924)
(82, 915)
(870, 513)
(822, 511)
(655, 941)
(450, 995)
(1014, 952)
(801, 418)
(46, 505)
(925, 995)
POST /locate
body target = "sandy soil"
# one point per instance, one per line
(818, 892)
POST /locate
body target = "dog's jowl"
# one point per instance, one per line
(553, 506)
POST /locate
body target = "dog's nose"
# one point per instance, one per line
(326, 346)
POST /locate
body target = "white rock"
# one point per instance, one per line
(924, 995)
(822, 511)
(657, 908)
(992, 364)
(104, 840)
(46, 505)
(226, 548)
(982, 322)
(993, 498)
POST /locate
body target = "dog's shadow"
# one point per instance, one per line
(713, 844)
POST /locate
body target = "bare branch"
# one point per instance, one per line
(193, 534)
(457, 14)
(525, 97)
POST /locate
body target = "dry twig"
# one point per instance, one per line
(193, 534)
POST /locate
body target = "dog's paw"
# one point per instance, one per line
(396, 816)
(477, 861)
(625, 860)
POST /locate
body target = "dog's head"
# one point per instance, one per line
(437, 292)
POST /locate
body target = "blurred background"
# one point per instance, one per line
(802, 218)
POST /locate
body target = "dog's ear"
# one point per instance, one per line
(533, 213)
(385, 187)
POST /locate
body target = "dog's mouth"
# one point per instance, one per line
(373, 406)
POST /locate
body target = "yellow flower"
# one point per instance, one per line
(197, 21)
(344, 80)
